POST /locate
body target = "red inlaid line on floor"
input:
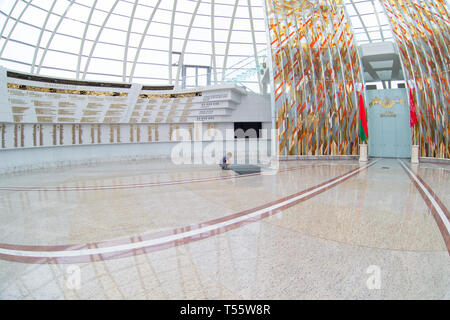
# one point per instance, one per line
(438, 209)
(153, 184)
(125, 247)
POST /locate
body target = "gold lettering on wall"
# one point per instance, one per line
(99, 133)
(61, 134)
(156, 132)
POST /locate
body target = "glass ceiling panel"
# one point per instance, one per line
(134, 40)
(368, 21)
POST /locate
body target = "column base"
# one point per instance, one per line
(363, 155)
(415, 153)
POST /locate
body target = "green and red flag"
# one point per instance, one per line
(412, 109)
(363, 131)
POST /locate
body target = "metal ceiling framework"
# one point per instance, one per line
(368, 20)
(220, 49)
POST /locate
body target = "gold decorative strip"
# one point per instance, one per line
(111, 134)
(149, 132)
(54, 134)
(41, 136)
(66, 91)
(92, 134)
(61, 134)
(80, 134)
(171, 95)
(99, 133)
(34, 135)
(3, 136)
(22, 136)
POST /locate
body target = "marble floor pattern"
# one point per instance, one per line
(329, 245)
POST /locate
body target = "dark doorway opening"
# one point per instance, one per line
(247, 129)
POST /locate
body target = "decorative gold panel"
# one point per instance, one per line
(317, 73)
(421, 30)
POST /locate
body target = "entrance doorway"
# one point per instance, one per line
(388, 122)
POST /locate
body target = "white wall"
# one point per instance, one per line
(24, 159)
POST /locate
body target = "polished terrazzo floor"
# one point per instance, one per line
(323, 246)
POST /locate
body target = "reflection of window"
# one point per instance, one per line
(195, 76)
(176, 58)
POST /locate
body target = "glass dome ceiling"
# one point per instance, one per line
(187, 43)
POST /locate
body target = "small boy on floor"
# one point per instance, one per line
(226, 161)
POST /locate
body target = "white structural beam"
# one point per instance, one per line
(61, 19)
(255, 51)
(230, 30)
(378, 20)
(181, 61)
(14, 25)
(213, 44)
(172, 24)
(125, 55)
(80, 54)
(97, 37)
(8, 17)
(149, 21)
(38, 44)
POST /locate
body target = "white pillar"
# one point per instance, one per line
(415, 153)
(363, 153)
